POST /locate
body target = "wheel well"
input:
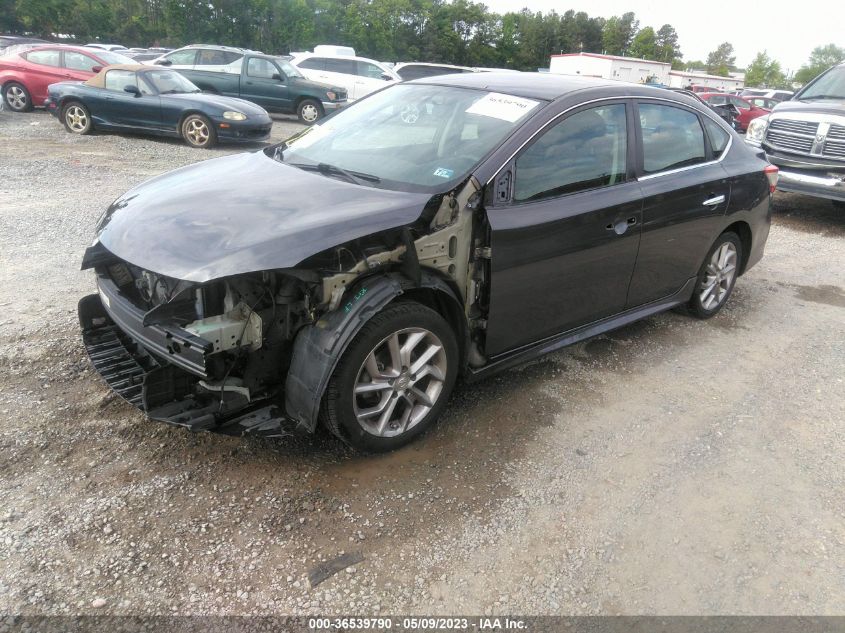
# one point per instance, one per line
(446, 306)
(744, 231)
(302, 98)
(185, 115)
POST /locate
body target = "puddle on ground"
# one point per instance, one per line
(828, 295)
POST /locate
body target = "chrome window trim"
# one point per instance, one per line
(673, 102)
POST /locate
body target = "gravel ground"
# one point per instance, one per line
(672, 467)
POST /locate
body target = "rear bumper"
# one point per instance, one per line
(820, 184)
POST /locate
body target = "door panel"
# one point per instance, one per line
(45, 69)
(678, 229)
(258, 85)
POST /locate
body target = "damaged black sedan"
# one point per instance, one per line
(443, 228)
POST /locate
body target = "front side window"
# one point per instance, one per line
(586, 150)
(78, 61)
(261, 68)
(366, 69)
(742, 104)
(182, 58)
(49, 57)
(672, 138)
(212, 57)
(288, 69)
(344, 66)
(118, 80)
(829, 85)
(412, 137)
(717, 100)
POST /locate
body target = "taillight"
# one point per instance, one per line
(772, 174)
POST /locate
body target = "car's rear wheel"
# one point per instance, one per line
(309, 111)
(393, 380)
(17, 97)
(198, 131)
(717, 276)
(76, 118)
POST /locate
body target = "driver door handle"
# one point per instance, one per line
(711, 202)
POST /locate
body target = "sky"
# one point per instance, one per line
(787, 29)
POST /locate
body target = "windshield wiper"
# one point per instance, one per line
(326, 169)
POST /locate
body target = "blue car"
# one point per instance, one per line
(136, 98)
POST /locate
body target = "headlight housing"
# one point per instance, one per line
(756, 130)
(231, 115)
(331, 95)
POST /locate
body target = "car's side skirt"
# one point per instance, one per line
(529, 352)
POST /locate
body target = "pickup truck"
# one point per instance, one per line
(274, 84)
(805, 138)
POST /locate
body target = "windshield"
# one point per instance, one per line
(111, 57)
(289, 69)
(830, 85)
(169, 82)
(410, 137)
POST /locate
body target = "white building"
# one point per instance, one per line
(681, 79)
(611, 67)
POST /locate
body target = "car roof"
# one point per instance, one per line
(67, 47)
(548, 86)
(303, 55)
(217, 47)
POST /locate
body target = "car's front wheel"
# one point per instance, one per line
(198, 131)
(309, 111)
(76, 118)
(393, 380)
(717, 276)
(17, 97)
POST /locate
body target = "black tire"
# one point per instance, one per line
(16, 97)
(76, 118)
(721, 281)
(198, 131)
(338, 408)
(309, 111)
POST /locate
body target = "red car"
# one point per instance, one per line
(24, 76)
(747, 110)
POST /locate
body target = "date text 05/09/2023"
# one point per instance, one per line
(386, 623)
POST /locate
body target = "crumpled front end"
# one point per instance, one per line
(200, 356)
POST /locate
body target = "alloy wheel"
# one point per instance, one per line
(16, 97)
(718, 276)
(399, 382)
(77, 119)
(197, 132)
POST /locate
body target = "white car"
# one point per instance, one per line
(359, 75)
(221, 59)
(416, 70)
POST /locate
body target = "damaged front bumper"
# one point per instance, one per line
(158, 369)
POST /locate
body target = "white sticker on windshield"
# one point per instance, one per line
(499, 106)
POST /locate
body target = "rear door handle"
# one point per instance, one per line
(711, 202)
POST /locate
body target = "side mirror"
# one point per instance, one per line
(133, 90)
(277, 77)
(164, 62)
(96, 69)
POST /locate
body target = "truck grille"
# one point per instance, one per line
(799, 137)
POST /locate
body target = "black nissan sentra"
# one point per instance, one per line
(448, 227)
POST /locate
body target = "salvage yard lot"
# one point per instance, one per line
(674, 466)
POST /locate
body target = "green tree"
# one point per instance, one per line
(822, 58)
(667, 48)
(764, 72)
(720, 61)
(618, 33)
(644, 44)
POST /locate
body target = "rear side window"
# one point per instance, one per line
(314, 63)
(672, 138)
(345, 66)
(49, 57)
(742, 104)
(717, 100)
(584, 151)
(211, 57)
(182, 58)
(78, 61)
(119, 79)
(717, 136)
